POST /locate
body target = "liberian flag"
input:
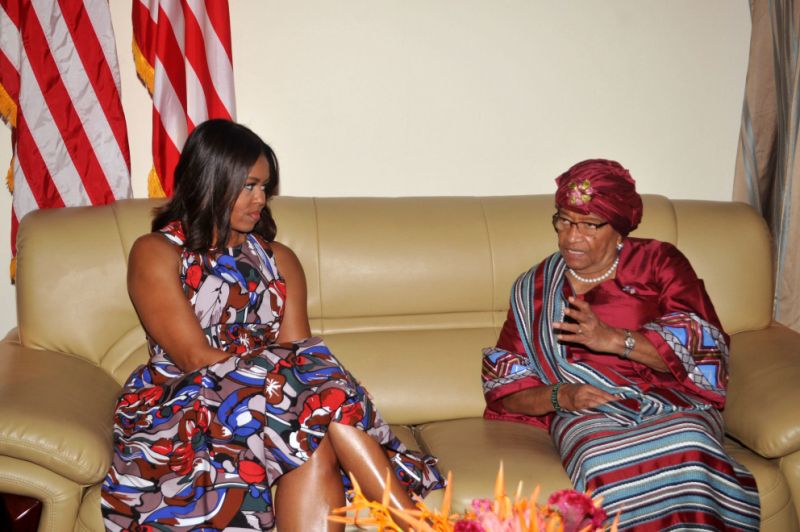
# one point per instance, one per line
(60, 93)
(182, 50)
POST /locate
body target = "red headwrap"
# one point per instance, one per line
(604, 188)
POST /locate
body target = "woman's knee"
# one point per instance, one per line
(324, 456)
(336, 429)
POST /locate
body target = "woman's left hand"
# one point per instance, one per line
(596, 335)
(587, 330)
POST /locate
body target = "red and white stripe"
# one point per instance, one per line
(69, 136)
(183, 50)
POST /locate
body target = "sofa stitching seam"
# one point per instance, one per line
(319, 266)
(38, 450)
(492, 263)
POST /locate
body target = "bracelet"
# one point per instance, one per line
(630, 343)
(554, 398)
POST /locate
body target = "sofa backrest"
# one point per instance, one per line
(405, 290)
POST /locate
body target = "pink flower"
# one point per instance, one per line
(465, 525)
(489, 521)
(577, 510)
(481, 505)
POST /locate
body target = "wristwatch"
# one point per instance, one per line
(630, 343)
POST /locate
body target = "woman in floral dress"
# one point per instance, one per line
(237, 396)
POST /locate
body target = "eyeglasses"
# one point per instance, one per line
(562, 224)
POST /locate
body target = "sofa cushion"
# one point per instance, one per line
(473, 449)
(423, 257)
(777, 508)
(417, 376)
(763, 393)
(728, 245)
(71, 270)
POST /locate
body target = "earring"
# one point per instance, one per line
(619, 246)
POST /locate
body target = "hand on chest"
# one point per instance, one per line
(623, 306)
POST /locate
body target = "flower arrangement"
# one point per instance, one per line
(565, 511)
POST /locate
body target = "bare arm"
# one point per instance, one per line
(536, 400)
(155, 290)
(643, 352)
(531, 402)
(295, 315)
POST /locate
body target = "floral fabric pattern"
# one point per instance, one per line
(200, 450)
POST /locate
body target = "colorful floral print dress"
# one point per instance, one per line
(200, 450)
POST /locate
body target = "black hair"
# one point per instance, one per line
(209, 176)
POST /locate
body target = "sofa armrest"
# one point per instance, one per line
(56, 411)
(763, 393)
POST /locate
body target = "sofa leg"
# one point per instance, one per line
(18, 513)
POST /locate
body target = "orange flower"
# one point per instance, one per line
(498, 515)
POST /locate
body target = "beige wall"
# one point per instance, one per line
(462, 97)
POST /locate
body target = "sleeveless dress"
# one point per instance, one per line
(200, 450)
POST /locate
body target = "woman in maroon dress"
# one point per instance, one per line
(613, 345)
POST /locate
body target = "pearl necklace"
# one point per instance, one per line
(591, 280)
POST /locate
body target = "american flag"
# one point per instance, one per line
(60, 93)
(182, 50)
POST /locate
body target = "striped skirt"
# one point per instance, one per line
(668, 472)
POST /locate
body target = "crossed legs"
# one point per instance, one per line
(307, 495)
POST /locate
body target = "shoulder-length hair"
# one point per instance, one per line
(209, 176)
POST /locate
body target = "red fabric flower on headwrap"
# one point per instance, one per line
(604, 188)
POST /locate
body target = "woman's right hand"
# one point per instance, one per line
(582, 396)
(537, 401)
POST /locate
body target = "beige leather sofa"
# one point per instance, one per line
(407, 291)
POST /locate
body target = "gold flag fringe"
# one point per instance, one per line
(143, 68)
(154, 187)
(8, 112)
(145, 71)
(10, 176)
(8, 109)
